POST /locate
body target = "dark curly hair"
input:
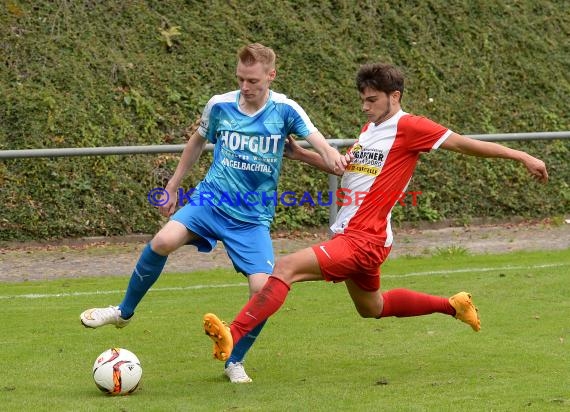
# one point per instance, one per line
(380, 76)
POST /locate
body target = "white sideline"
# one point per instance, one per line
(446, 272)
(231, 285)
(111, 292)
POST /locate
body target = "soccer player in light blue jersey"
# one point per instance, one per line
(235, 202)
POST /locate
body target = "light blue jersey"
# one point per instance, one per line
(248, 154)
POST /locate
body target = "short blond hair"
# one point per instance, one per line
(257, 52)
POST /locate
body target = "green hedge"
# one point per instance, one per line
(106, 73)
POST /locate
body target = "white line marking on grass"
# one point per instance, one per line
(233, 285)
(111, 292)
(448, 272)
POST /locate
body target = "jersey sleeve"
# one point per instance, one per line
(207, 127)
(298, 122)
(422, 133)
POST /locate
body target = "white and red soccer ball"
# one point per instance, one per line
(117, 371)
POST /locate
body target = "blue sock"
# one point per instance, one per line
(241, 348)
(147, 271)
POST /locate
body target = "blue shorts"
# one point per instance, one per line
(248, 245)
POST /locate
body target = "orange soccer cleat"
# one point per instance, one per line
(219, 332)
(465, 310)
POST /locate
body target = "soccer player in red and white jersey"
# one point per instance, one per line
(382, 163)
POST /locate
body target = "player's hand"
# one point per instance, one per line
(338, 162)
(292, 148)
(170, 206)
(537, 168)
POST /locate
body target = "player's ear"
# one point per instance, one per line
(395, 96)
(272, 74)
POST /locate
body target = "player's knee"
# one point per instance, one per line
(283, 271)
(256, 285)
(162, 245)
(367, 313)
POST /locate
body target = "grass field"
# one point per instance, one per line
(316, 354)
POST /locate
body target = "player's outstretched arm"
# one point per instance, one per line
(190, 155)
(468, 146)
(335, 162)
(294, 151)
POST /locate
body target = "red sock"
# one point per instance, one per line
(404, 303)
(260, 307)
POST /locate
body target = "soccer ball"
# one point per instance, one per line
(117, 371)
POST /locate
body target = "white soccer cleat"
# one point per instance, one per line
(236, 373)
(93, 318)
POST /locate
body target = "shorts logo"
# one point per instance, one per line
(325, 252)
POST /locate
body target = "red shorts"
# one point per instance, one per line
(346, 257)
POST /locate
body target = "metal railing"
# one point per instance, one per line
(177, 148)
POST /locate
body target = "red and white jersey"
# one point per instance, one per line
(385, 157)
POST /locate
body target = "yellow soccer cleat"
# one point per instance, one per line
(465, 310)
(219, 332)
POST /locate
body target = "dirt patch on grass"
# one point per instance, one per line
(71, 258)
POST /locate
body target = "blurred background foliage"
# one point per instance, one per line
(112, 73)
